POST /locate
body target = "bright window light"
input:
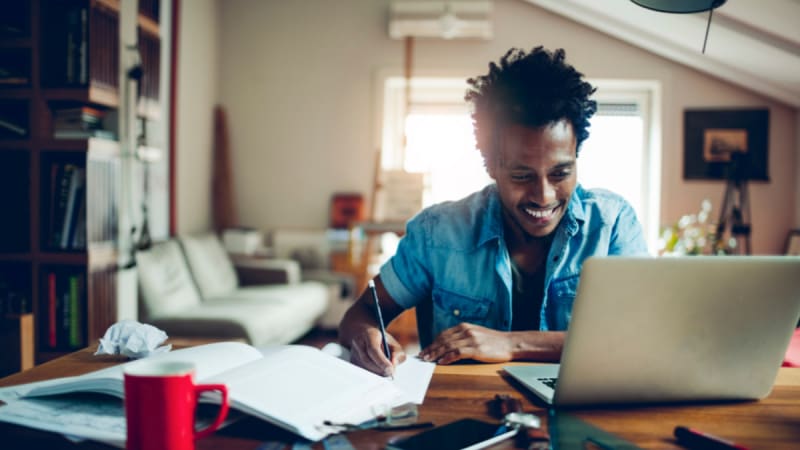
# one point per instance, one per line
(443, 146)
(612, 158)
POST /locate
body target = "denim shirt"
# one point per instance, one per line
(455, 254)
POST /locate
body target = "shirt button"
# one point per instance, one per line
(456, 312)
(556, 258)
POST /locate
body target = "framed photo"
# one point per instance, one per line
(725, 143)
(793, 243)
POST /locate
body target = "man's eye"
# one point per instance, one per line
(518, 178)
(560, 175)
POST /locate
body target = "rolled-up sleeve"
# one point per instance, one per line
(407, 275)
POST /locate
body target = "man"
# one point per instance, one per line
(494, 275)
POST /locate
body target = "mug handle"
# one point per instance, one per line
(223, 407)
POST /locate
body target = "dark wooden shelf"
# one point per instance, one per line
(14, 144)
(76, 179)
(15, 91)
(15, 42)
(93, 94)
(67, 257)
(16, 257)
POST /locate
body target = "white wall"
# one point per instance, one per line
(296, 78)
(198, 73)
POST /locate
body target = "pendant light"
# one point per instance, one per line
(683, 7)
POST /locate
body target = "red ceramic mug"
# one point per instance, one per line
(160, 403)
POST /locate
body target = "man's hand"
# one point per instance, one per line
(366, 350)
(469, 341)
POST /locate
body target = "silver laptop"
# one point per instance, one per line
(655, 330)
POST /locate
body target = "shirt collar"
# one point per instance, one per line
(492, 227)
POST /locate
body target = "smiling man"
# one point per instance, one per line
(493, 276)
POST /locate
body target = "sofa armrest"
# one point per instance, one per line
(345, 282)
(254, 271)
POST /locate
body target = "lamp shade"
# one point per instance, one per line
(680, 6)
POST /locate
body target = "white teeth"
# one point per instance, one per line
(539, 214)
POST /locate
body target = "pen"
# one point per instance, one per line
(380, 320)
(695, 439)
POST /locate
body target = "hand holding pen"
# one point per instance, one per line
(386, 351)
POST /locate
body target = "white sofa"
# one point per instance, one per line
(313, 249)
(189, 287)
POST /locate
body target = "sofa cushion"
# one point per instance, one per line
(165, 284)
(209, 264)
(263, 315)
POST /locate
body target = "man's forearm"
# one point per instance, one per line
(537, 345)
(354, 322)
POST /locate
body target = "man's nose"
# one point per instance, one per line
(541, 192)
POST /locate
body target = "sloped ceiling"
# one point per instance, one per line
(754, 44)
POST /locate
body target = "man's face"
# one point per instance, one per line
(536, 174)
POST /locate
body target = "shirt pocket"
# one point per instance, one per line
(451, 309)
(561, 296)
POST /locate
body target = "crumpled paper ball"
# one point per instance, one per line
(132, 339)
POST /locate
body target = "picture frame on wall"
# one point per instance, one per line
(719, 143)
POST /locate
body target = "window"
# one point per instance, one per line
(622, 153)
(439, 137)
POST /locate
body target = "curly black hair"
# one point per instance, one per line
(531, 89)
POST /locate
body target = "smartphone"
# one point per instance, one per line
(463, 434)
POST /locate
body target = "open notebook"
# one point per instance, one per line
(295, 387)
(653, 330)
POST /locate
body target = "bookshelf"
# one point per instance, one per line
(60, 164)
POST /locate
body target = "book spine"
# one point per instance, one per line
(18, 130)
(79, 234)
(74, 312)
(83, 53)
(51, 306)
(71, 213)
(60, 201)
(69, 75)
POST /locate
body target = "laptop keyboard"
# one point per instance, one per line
(549, 382)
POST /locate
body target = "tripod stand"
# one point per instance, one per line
(735, 212)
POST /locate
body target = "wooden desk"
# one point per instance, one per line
(462, 391)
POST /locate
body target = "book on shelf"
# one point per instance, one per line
(52, 335)
(7, 127)
(67, 213)
(65, 55)
(78, 241)
(61, 176)
(75, 197)
(77, 118)
(84, 134)
(295, 387)
(64, 311)
(81, 46)
(75, 327)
